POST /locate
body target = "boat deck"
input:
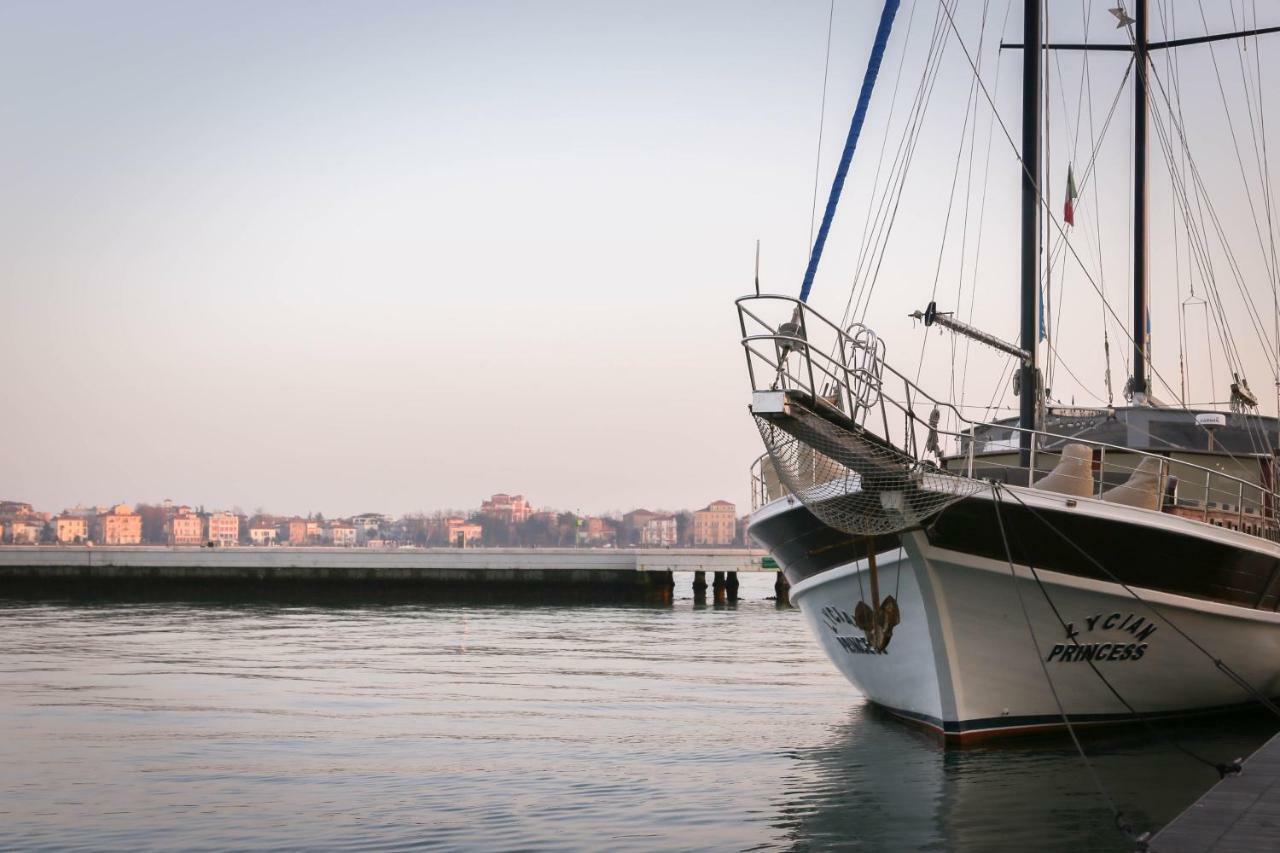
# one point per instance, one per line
(1240, 813)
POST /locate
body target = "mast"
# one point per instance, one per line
(1030, 269)
(1138, 382)
(1141, 48)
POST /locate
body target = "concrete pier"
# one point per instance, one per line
(557, 573)
(1240, 813)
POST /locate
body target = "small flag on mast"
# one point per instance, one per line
(1069, 210)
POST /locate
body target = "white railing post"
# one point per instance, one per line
(1207, 475)
(1102, 470)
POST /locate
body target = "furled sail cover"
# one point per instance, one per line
(851, 479)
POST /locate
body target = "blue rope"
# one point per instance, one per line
(855, 130)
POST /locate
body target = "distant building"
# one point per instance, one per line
(15, 508)
(263, 533)
(294, 530)
(342, 535)
(184, 527)
(513, 509)
(461, 533)
(660, 531)
(715, 524)
(71, 529)
(633, 525)
(119, 526)
(369, 524)
(600, 531)
(23, 531)
(222, 528)
(302, 531)
(549, 519)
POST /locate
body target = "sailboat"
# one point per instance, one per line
(1072, 565)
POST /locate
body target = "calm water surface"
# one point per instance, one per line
(162, 725)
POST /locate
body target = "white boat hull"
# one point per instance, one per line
(963, 660)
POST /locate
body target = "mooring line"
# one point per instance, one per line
(1121, 823)
(1217, 662)
(1224, 769)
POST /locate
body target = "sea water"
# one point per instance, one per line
(171, 725)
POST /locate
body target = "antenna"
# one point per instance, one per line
(757, 266)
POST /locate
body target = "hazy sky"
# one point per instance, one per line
(387, 256)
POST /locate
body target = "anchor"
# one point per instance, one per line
(878, 620)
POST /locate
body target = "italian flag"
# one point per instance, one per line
(1069, 209)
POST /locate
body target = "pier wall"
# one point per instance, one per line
(450, 573)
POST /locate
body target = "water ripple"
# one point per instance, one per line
(161, 726)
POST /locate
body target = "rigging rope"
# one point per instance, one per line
(1226, 670)
(1121, 823)
(822, 122)
(855, 130)
(1223, 768)
(1040, 196)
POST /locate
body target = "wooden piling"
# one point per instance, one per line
(718, 588)
(782, 590)
(731, 586)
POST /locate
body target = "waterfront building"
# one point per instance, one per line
(263, 533)
(513, 509)
(715, 524)
(660, 531)
(462, 533)
(184, 527)
(633, 525)
(302, 531)
(370, 524)
(119, 526)
(547, 518)
(600, 531)
(295, 531)
(24, 530)
(15, 508)
(342, 535)
(71, 529)
(222, 528)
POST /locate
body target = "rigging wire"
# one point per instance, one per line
(982, 216)
(1217, 662)
(886, 215)
(1224, 769)
(971, 104)
(822, 122)
(1118, 815)
(1041, 197)
(1219, 231)
(880, 160)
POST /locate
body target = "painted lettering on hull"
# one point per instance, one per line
(834, 617)
(1127, 648)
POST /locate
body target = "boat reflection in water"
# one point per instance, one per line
(879, 785)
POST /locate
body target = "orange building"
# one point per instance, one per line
(185, 528)
(71, 529)
(302, 531)
(25, 531)
(120, 526)
(461, 533)
(715, 524)
(222, 528)
(341, 534)
(513, 509)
